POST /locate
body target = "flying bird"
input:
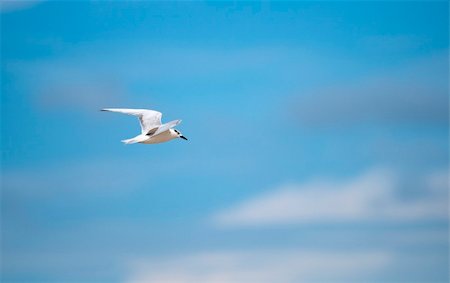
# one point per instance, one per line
(152, 131)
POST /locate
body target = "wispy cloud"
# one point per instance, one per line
(372, 196)
(259, 266)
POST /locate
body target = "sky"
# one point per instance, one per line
(318, 142)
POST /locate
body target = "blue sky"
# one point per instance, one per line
(317, 152)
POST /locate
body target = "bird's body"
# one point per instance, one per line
(152, 131)
(163, 137)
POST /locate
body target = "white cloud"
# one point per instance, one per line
(259, 266)
(373, 196)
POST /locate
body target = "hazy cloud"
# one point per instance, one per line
(73, 180)
(413, 94)
(15, 5)
(102, 73)
(380, 43)
(259, 266)
(117, 72)
(67, 85)
(372, 196)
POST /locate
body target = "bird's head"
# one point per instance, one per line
(179, 134)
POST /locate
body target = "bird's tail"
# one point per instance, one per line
(129, 141)
(136, 139)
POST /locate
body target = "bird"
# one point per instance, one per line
(152, 131)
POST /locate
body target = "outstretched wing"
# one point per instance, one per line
(149, 119)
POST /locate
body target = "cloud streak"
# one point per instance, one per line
(373, 196)
(259, 266)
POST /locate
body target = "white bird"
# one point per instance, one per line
(152, 129)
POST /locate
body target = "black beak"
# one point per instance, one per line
(183, 137)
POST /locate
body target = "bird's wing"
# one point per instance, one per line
(166, 127)
(149, 119)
